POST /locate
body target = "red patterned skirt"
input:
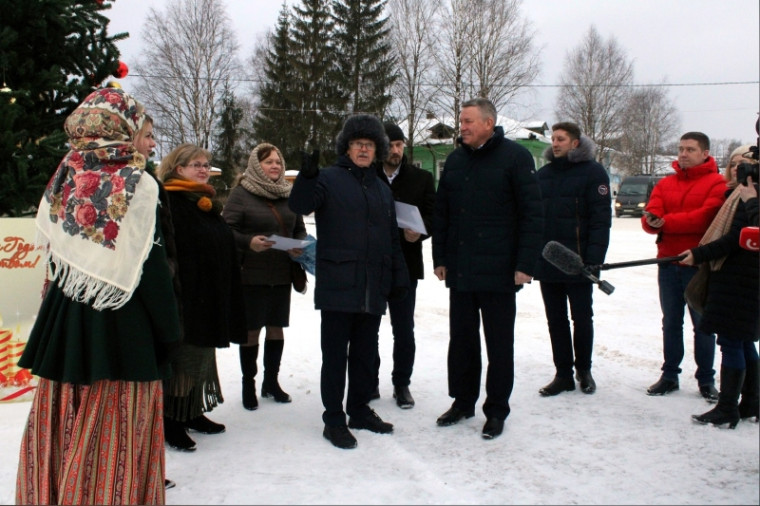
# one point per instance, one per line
(93, 444)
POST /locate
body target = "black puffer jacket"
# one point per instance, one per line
(415, 187)
(359, 258)
(733, 293)
(488, 220)
(577, 208)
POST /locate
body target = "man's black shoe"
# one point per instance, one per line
(588, 385)
(339, 436)
(403, 396)
(372, 422)
(169, 484)
(454, 415)
(493, 428)
(558, 385)
(204, 425)
(709, 392)
(663, 386)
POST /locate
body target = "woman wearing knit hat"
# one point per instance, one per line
(256, 209)
(359, 268)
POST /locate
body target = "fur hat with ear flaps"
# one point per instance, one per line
(363, 126)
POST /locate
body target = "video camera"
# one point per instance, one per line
(745, 169)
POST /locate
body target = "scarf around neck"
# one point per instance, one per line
(721, 225)
(257, 182)
(200, 193)
(97, 215)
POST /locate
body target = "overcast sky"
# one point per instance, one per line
(680, 42)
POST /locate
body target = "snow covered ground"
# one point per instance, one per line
(618, 446)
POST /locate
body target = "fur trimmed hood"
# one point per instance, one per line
(583, 153)
(363, 126)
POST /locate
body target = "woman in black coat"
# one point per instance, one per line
(731, 310)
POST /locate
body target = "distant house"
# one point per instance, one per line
(434, 140)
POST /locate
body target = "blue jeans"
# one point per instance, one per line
(672, 280)
(736, 353)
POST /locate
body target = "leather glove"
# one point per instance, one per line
(592, 269)
(398, 293)
(310, 164)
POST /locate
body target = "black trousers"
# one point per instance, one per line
(349, 341)
(556, 297)
(404, 348)
(497, 311)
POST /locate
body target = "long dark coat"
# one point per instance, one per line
(413, 186)
(209, 274)
(249, 215)
(733, 294)
(359, 259)
(577, 208)
(488, 220)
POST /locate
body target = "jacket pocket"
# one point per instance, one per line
(336, 268)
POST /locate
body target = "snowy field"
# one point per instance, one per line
(618, 446)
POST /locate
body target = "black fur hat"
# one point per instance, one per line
(363, 126)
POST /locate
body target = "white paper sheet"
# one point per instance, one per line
(286, 243)
(408, 216)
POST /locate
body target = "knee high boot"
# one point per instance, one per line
(248, 357)
(727, 409)
(749, 407)
(272, 358)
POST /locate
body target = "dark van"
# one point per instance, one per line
(633, 194)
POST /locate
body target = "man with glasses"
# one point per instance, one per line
(487, 238)
(360, 268)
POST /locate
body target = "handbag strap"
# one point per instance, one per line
(279, 218)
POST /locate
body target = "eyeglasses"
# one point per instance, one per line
(362, 145)
(199, 166)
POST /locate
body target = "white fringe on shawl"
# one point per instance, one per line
(87, 271)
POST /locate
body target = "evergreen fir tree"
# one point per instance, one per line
(53, 53)
(229, 154)
(365, 57)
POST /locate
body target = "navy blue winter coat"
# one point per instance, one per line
(488, 219)
(577, 208)
(359, 259)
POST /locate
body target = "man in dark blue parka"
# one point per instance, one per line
(487, 229)
(576, 192)
(359, 267)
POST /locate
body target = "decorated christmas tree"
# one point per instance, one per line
(53, 53)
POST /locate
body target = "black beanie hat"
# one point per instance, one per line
(393, 132)
(363, 126)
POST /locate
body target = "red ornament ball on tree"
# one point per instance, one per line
(121, 70)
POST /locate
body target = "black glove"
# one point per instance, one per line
(398, 293)
(310, 164)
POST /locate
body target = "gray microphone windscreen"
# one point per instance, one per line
(562, 258)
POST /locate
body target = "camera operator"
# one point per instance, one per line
(733, 297)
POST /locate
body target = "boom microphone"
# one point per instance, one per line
(571, 263)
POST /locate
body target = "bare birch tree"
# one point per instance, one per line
(190, 55)
(651, 121)
(595, 84)
(503, 56)
(412, 24)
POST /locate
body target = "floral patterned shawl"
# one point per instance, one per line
(98, 213)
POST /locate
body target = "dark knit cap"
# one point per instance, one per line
(363, 126)
(393, 132)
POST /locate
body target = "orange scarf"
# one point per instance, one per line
(202, 193)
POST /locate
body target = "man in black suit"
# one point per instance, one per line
(413, 186)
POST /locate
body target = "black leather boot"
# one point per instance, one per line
(727, 410)
(176, 436)
(248, 357)
(272, 358)
(749, 407)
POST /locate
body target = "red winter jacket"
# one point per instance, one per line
(688, 200)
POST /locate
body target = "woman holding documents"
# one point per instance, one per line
(257, 208)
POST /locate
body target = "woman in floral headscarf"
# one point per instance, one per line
(256, 209)
(99, 344)
(211, 297)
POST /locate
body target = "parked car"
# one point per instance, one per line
(633, 194)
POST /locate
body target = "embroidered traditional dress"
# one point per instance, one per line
(95, 429)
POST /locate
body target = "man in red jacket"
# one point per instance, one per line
(679, 211)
